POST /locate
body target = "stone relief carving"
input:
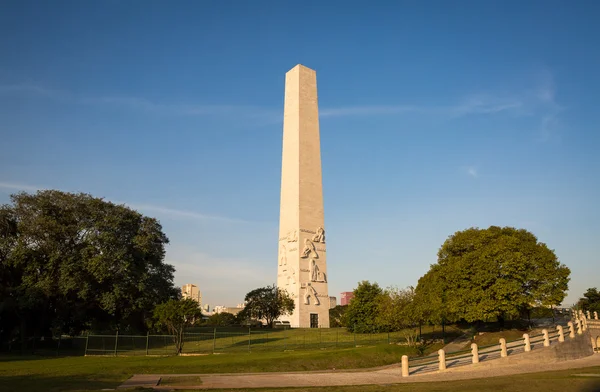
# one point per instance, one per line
(315, 274)
(314, 271)
(309, 248)
(320, 236)
(282, 255)
(311, 292)
(292, 236)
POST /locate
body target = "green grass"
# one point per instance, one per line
(231, 340)
(494, 337)
(95, 373)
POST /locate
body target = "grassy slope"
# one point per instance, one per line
(79, 373)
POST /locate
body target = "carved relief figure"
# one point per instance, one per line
(314, 271)
(292, 236)
(309, 248)
(282, 255)
(311, 292)
(320, 236)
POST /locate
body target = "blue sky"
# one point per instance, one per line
(435, 116)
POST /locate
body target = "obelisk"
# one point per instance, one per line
(302, 261)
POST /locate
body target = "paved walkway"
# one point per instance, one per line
(391, 375)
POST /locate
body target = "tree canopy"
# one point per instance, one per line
(337, 316)
(590, 301)
(482, 274)
(72, 262)
(395, 310)
(222, 319)
(361, 315)
(268, 303)
(174, 316)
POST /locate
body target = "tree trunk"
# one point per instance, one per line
(23, 334)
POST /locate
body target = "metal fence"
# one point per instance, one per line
(209, 341)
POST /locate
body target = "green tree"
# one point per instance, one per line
(268, 303)
(590, 301)
(396, 312)
(222, 319)
(174, 316)
(494, 273)
(430, 297)
(337, 316)
(72, 262)
(361, 315)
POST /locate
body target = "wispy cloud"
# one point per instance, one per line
(161, 211)
(472, 105)
(472, 171)
(539, 101)
(181, 214)
(550, 124)
(368, 110)
(144, 105)
(19, 187)
(484, 104)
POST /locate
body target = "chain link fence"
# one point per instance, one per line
(209, 340)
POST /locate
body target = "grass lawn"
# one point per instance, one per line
(494, 337)
(94, 373)
(208, 340)
(556, 381)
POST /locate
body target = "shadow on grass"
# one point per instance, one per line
(34, 383)
(592, 386)
(14, 357)
(258, 341)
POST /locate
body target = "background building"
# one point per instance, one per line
(346, 297)
(332, 302)
(228, 309)
(191, 291)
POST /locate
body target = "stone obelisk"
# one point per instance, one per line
(302, 261)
